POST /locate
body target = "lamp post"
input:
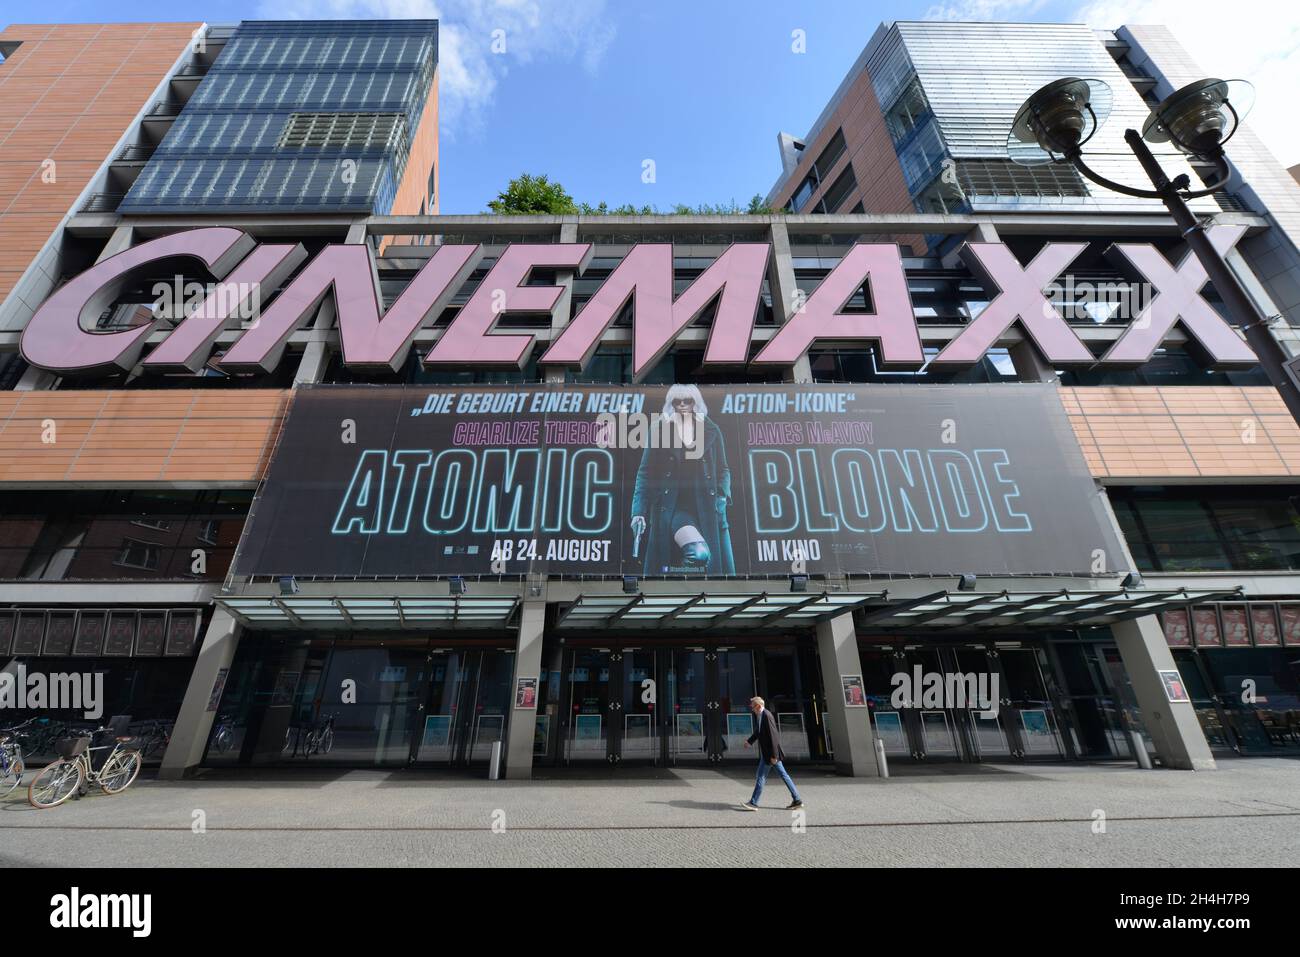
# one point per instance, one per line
(1058, 120)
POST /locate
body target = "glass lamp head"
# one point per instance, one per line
(1057, 120)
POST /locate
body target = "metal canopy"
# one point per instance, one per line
(699, 612)
(937, 612)
(462, 611)
(1027, 611)
(878, 613)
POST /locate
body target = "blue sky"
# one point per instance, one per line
(587, 90)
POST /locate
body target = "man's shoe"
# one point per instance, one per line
(749, 806)
(795, 805)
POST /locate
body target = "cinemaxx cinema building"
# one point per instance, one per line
(288, 451)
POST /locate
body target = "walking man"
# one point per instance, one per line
(769, 746)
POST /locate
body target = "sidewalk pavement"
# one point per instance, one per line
(1245, 814)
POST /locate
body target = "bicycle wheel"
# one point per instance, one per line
(55, 784)
(224, 740)
(119, 771)
(327, 741)
(13, 776)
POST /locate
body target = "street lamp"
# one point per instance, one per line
(1057, 122)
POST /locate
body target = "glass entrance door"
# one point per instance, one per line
(636, 729)
(591, 706)
(986, 728)
(492, 701)
(687, 704)
(441, 732)
(465, 708)
(1031, 711)
(930, 703)
(708, 692)
(936, 728)
(732, 721)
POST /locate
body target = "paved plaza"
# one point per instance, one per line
(1245, 814)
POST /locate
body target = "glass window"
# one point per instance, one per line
(908, 112)
(1191, 529)
(840, 190)
(830, 155)
(284, 106)
(54, 536)
(1167, 366)
(803, 193)
(139, 554)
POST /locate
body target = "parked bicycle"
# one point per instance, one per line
(46, 732)
(307, 740)
(154, 737)
(321, 738)
(223, 739)
(75, 769)
(11, 762)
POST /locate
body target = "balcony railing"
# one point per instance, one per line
(135, 154)
(165, 108)
(103, 203)
(1232, 203)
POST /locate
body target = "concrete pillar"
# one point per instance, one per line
(781, 283)
(1030, 365)
(851, 737)
(316, 354)
(357, 233)
(563, 311)
(194, 721)
(1174, 730)
(780, 275)
(982, 232)
(123, 238)
(528, 664)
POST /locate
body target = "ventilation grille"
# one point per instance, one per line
(998, 178)
(359, 130)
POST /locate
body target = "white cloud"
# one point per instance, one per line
(469, 69)
(1256, 40)
(982, 9)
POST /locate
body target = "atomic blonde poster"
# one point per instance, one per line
(682, 480)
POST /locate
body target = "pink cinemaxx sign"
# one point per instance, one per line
(57, 337)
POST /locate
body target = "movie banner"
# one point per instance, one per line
(709, 481)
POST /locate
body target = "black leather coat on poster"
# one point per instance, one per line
(661, 490)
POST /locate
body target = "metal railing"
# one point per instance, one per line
(103, 202)
(135, 154)
(1232, 203)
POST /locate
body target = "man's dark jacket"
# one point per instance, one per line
(767, 736)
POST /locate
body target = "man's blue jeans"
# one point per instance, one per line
(761, 779)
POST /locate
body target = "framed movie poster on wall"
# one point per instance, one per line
(1178, 628)
(1264, 626)
(1290, 623)
(1236, 625)
(1205, 626)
